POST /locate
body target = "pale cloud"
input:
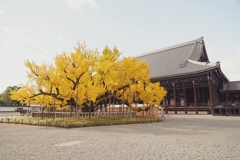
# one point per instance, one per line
(2, 12)
(18, 39)
(212, 50)
(44, 27)
(16, 47)
(38, 39)
(33, 48)
(60, 37)
(58, 50)
(77, 4)
(14, 35)
(27, 30)
(230, 65)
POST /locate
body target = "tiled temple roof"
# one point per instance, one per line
(182, 59)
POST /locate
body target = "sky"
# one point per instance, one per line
(39, 30)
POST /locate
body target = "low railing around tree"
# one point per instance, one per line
(84, 114)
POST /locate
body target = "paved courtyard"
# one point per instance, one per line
(180, 137)
(9, 114)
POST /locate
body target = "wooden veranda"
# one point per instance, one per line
(196, 93)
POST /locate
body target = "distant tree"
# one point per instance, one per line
(1, 102)
(5, 99)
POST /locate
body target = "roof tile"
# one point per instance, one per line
(173, 61)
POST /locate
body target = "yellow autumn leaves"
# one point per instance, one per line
(87, 77)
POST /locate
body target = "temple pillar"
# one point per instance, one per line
(217, 94)
(195, 97)
(202, 95)
(198, 96)
(166, 104)
(210, 94)
(213, 94)
(178, 98)
(174, 97)
(184, 98)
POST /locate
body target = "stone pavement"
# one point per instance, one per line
(9, 114)
(180, 137)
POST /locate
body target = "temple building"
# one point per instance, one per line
(192, 82)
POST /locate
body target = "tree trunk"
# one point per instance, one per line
(123, 103)
(114, 101)
(89, 111)
(110, 101)
(101, 107)
(42, 112)
(89, 116)
(152, 111)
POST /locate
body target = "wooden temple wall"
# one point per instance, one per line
(191, 94)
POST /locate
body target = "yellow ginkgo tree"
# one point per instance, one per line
(87, 78)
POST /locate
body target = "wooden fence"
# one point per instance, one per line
(84, 114)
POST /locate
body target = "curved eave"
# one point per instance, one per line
(222, 74)
(185, 74)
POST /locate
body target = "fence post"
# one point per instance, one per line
(163, 118)
(38, 123)
(22, 121)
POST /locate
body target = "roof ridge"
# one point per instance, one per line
(170, 47)
(189, 55)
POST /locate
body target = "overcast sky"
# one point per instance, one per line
(39, 29)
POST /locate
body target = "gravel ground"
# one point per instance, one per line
(179, 137)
